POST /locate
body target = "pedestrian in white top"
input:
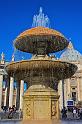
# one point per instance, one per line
(74, 113)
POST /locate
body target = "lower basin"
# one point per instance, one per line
(47, 68)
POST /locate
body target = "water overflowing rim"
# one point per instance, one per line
(68, 68)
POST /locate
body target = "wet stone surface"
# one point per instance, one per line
(41, 122)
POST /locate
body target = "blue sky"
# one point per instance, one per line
(16, 16)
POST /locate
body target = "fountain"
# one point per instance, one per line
(40, 101)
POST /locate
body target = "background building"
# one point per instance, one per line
(73, 86)
(9, 95)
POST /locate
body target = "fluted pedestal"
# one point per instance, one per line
(40, 103)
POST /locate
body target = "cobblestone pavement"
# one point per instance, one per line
(71, 122)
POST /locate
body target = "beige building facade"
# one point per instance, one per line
(11, 94)
(73, 86)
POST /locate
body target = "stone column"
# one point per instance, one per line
(1, 82)
(60, 93)
(81, 88)
(68, 89)
(21, 93)
(65, 92)
(78, 89)
(15, 96)
(11, 92)
(5, 97)
(18, 95)
(8, 89)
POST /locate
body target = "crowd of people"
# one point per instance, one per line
(11, 112)
(75, 112)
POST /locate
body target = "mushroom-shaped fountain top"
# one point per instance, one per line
(45, 39)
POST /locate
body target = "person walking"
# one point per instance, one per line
(64, 113)
(74, 113)
(80, 113)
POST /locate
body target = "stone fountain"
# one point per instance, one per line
(40, 101)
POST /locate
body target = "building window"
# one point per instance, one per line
(74, 96)
(73, 88)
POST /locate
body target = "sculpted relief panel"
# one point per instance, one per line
(41, 109)
(28, 108)
(53, 109)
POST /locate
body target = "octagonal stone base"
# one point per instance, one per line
(40, 103)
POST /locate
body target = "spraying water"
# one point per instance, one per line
(41, 20)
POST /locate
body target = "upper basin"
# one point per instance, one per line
(40, 40)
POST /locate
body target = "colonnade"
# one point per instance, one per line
(18, 97)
